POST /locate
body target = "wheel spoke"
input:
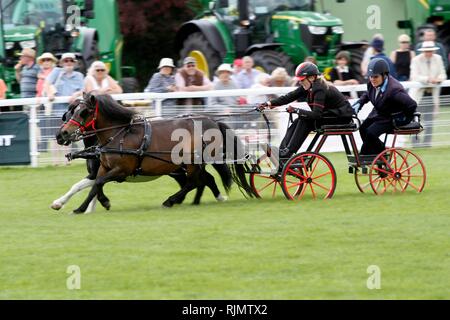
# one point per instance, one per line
(410, 167)
(297, 174)
(312, 190)
(409, 183)
(321, 175)
(320, 185)
(313, 169)
(273, 181)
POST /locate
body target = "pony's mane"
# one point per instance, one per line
(113, 110)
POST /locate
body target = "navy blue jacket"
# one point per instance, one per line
(390, 103)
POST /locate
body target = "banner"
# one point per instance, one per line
(14, 139)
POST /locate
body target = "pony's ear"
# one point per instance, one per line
(92, 100)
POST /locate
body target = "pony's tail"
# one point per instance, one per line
(237, 169)
(225, 175)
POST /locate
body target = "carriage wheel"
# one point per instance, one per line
(308, 174)
(265, 183)
(395, 170)
(362, 180)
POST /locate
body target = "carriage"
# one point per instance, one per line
(393, 170)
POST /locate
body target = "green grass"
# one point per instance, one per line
(241, 249)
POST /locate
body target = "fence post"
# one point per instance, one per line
(33, 121)
(158, 105)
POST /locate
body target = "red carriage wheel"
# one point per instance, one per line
(308, 174)
(265, 183)
(362, 179)
(395, 170)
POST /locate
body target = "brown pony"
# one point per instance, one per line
(131, 147)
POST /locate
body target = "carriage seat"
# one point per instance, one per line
(331, 129)
(414, 127)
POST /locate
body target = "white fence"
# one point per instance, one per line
(43, 122)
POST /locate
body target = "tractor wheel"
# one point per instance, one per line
(356, 57)
(268, 60)
(87, 60)
(198, 47)
(130, 85)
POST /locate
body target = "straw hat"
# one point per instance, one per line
(28, 52)
(47, 55)
(224, 67)
(188, 60)
(428, 46)
(68, 55)
(166, 62)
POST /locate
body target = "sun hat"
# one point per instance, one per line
(46, 55)
(68, 55)
(224, 67)
(428, 46)
(166, 62)
(28, 52)
(188, 60)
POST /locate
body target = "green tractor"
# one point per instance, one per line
(88, 28)
(273, 32)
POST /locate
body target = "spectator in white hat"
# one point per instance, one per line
(163, 81)
(427, 68)
(27, 73)
(99, 80)
(47, 61)
(64, 81)
(430, 35)
(224, 82)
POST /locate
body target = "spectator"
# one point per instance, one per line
(262, 81)
(427, 68)
(224, 73)
(237, 68)
(3, 89)
(311, 59)
(64, 81)
(247, 77)
(47, 61)
(430, 35)
(280, 78)
(190, 78)
(163, 81)
(378, 48)
(402, 57)
(99, 80)
(368, 54)
(27, 73)
(341, 74)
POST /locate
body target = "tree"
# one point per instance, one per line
(149, 29)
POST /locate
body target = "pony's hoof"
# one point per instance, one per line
(76, 212)
(167, 205)
(106, 205)
(56, 206)
(221, 198)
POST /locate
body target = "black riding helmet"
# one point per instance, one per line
(306, 69)
(377, 66)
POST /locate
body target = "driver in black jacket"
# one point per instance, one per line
(328, 106)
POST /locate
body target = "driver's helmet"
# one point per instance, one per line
(306, 69)
(377, 66)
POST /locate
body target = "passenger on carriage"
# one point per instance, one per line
(391, 104)
(328, 106)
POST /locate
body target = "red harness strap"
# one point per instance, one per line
(89, 124)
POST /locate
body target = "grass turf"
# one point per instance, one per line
(240, 249)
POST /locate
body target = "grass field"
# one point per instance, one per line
(240, 249)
